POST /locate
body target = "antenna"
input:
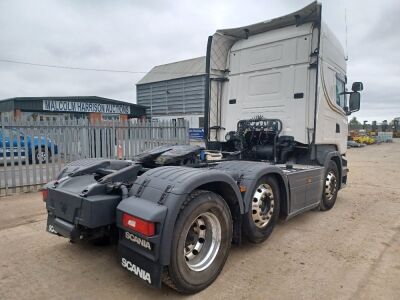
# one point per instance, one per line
(347, 49)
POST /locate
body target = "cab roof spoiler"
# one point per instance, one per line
(310, 13)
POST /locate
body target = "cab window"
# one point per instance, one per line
(340, 93)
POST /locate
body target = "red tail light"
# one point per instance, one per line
(45, 194)
(142, 226)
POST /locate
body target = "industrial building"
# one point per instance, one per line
(60, 108)
(175, 91)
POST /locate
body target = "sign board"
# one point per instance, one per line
(196, 133)
(82, 107)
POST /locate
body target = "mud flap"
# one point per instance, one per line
(147, 270)
(60, 227)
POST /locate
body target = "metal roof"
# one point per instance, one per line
(180, 69)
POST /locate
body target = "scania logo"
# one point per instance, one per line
(130, 266)
(51, 229)
(138, 240)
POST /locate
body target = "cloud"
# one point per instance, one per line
(137, 35)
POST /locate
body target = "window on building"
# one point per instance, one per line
(201, 122)
(340, 93)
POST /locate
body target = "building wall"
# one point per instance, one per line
(176, 97)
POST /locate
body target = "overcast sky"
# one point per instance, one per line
(137, 35)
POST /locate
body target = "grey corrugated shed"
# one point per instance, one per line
(184, 68)
(173, 97)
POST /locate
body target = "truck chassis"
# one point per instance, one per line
(174, 214)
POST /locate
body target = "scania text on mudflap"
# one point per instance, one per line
(276, 130)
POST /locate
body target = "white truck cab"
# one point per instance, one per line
(290, 68)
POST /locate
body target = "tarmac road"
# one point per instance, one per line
(350, 252)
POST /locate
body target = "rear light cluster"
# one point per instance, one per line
(144, 227)
(45, 194)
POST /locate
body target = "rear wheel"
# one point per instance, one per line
(263, 211)
(330, 188)
(201, 243)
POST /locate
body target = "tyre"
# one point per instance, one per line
(263, 210)
(40, 155)
(201, 243)
(330, 188)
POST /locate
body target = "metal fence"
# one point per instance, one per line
(33, 152)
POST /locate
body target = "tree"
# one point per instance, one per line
(354, 122)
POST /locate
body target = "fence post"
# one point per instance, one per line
(5, 172)
(75, 139)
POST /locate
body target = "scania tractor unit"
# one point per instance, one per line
(275, 141)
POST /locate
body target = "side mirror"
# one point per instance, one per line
(357, 86)
(354, 102)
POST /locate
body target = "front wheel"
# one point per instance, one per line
(201, 243)
(330, 188)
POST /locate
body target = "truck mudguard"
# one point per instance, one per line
(146, 210)
(168, 187)
(250, 172)
(326, 153)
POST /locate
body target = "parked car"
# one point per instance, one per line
(35, 145)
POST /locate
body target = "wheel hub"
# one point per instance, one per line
(263, 205)
(202, 242)
(330, 185)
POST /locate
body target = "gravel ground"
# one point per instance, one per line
(350, 252)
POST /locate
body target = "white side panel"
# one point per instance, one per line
(266, 71)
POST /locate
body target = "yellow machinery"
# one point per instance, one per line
(364, 139)
(374, 129)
